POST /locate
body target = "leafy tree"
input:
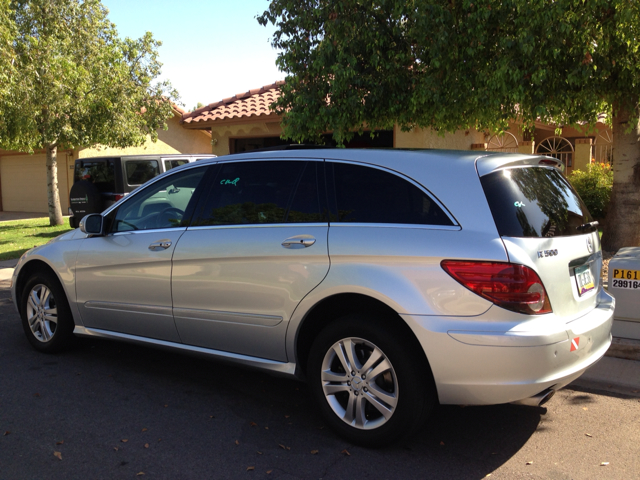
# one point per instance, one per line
(78, 84)
(458, 64)
(198, 105)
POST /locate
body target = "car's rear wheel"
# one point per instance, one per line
(46, 316)
(370, 384)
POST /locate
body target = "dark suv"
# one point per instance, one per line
(99, 182)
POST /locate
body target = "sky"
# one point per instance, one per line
(211, 49)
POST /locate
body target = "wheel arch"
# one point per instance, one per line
(30, 268)
(331, 308)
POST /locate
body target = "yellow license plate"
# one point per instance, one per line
(626, 274)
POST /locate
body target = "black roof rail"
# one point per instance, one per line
(293, 146)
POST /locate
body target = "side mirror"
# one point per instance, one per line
(92, 224)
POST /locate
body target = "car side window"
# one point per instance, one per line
(140, 171)
(370, 195)
(261, 193)
(169, 164)
(162, 204)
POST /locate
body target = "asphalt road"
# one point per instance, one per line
(112, 410)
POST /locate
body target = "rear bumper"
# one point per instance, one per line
(490, 359)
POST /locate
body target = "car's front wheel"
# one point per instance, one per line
(46, 316)
(369, 381)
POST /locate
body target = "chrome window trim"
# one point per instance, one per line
(325, 224)
(411, 181)
(150, 230)
(418, 226)
(258, 225)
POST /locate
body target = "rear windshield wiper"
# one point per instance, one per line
(589, 227)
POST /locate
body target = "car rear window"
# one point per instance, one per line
(534, 202)
(99, 172)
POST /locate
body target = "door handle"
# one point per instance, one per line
(299, 242)
(160, 245)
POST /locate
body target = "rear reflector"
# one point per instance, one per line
(514, 287)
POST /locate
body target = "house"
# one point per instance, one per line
(244, 122)
(23, 176)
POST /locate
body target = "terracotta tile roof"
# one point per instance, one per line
(254, 103)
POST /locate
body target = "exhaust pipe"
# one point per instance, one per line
(537, 400)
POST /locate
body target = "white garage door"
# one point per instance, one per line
(24, 183)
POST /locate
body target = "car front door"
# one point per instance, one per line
(256, 247)
(124, 277)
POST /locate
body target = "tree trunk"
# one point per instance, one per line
(622, 224)
(53, 197)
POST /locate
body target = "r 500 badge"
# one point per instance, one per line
(547, 253)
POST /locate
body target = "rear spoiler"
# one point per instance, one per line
(490, 163)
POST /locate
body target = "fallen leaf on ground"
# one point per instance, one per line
(58, 455)
(266, 428)
(237, 442)
(282, 446)
(314, 452)
(250, 468)
(346, 452)
(441, 443)
(269, 472)
(487, 475)
(124, 440)
(253, 424)
(60, 442)
(529, 463)
(604, 464)
(588, 435)
(585, 408)
(259, 453)
(146, 445)
(287, 416)
(115, 448)
(7, 433)
(211, 416)
(144, 429)
(166, 406)
(139, 474)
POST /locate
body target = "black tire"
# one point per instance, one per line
(399, 382)
(45, 312)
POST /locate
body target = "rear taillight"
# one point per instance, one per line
(118, 196)
(508, 285)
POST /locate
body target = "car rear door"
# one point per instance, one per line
(256, 247)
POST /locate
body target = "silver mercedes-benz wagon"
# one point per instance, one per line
(390, 280)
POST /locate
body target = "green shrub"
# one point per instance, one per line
(594, 187)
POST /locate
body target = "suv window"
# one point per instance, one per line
(140, 171)
(100, 173)
(261, 193)
(162, 204)
(169, 164)
(369, 195)
(534, 202)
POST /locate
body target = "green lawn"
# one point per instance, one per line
(18, 236)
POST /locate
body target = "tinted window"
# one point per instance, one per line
(160, 205)
(534, 202)
(139, 171)
(370, 195)
(252, 193)
(169, 164)
(100, 173)
(306, 203)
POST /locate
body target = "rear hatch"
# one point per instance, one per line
(545, 225)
